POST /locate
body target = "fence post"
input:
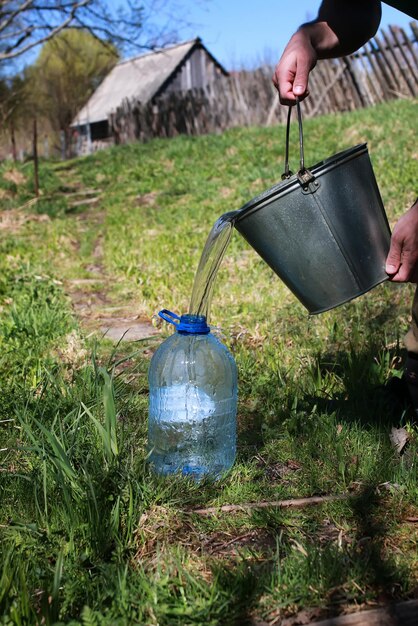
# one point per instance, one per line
(13, 140)
(404, 56)
(35, 158)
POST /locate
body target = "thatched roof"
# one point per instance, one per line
(139, 78)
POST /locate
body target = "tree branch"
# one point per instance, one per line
(26, 24)
(14, 14)
(15, 51)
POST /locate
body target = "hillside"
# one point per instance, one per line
(88, 534)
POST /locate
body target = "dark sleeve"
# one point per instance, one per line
(353, 21)
(410, 7)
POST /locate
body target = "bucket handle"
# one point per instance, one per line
(304, 176)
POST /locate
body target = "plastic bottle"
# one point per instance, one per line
(192, 402)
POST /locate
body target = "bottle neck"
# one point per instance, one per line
(193, 325)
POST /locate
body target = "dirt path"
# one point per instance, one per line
(90, 296)
(97, 311)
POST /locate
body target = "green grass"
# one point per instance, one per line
(88, 534)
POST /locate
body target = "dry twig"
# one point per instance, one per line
(282, 504)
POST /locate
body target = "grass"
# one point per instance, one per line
(88, 534)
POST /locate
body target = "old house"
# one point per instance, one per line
(181, 67)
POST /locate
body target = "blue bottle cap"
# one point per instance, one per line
(186, 324)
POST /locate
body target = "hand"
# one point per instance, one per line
(292, 72)
(402, 260)
(342, 26)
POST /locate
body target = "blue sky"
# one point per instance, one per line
(239, 33)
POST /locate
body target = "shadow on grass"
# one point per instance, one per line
(364, 568)
(250, 435)
(319, 578)
(242, 584)
(369, 397)
(381, 572)
(364, 399)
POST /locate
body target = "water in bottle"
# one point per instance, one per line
(193, 401)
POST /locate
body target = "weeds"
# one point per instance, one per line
(88, 534)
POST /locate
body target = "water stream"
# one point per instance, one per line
(212, 255)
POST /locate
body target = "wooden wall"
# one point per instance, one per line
(196, 72)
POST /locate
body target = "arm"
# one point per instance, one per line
(341, 27)
(402, 260)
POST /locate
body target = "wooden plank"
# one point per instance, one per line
(329, 102)
(387, 83)
(387, 67)
(379, 79)
(402, 44)
(401, 614)
(272, 111)
(410, 47)
(326, 96)
(326, 90)
(358, 95)
(336, 68)
(397, 63)
(316, 88)
(332, 71)
(362, 80)
(375, 94)
(348, 89)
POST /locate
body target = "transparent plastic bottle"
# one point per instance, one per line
(192, 401)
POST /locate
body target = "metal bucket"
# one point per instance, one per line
(324, 230)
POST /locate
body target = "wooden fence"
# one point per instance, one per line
(386, 68)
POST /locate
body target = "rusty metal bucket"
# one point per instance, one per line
(324, 230)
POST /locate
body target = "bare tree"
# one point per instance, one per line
(25, 24)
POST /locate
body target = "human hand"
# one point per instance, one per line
(292, 72)
(402, 260)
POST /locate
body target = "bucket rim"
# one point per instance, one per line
(285, 186)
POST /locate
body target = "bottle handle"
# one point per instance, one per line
(169, 317)
(187, 324)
